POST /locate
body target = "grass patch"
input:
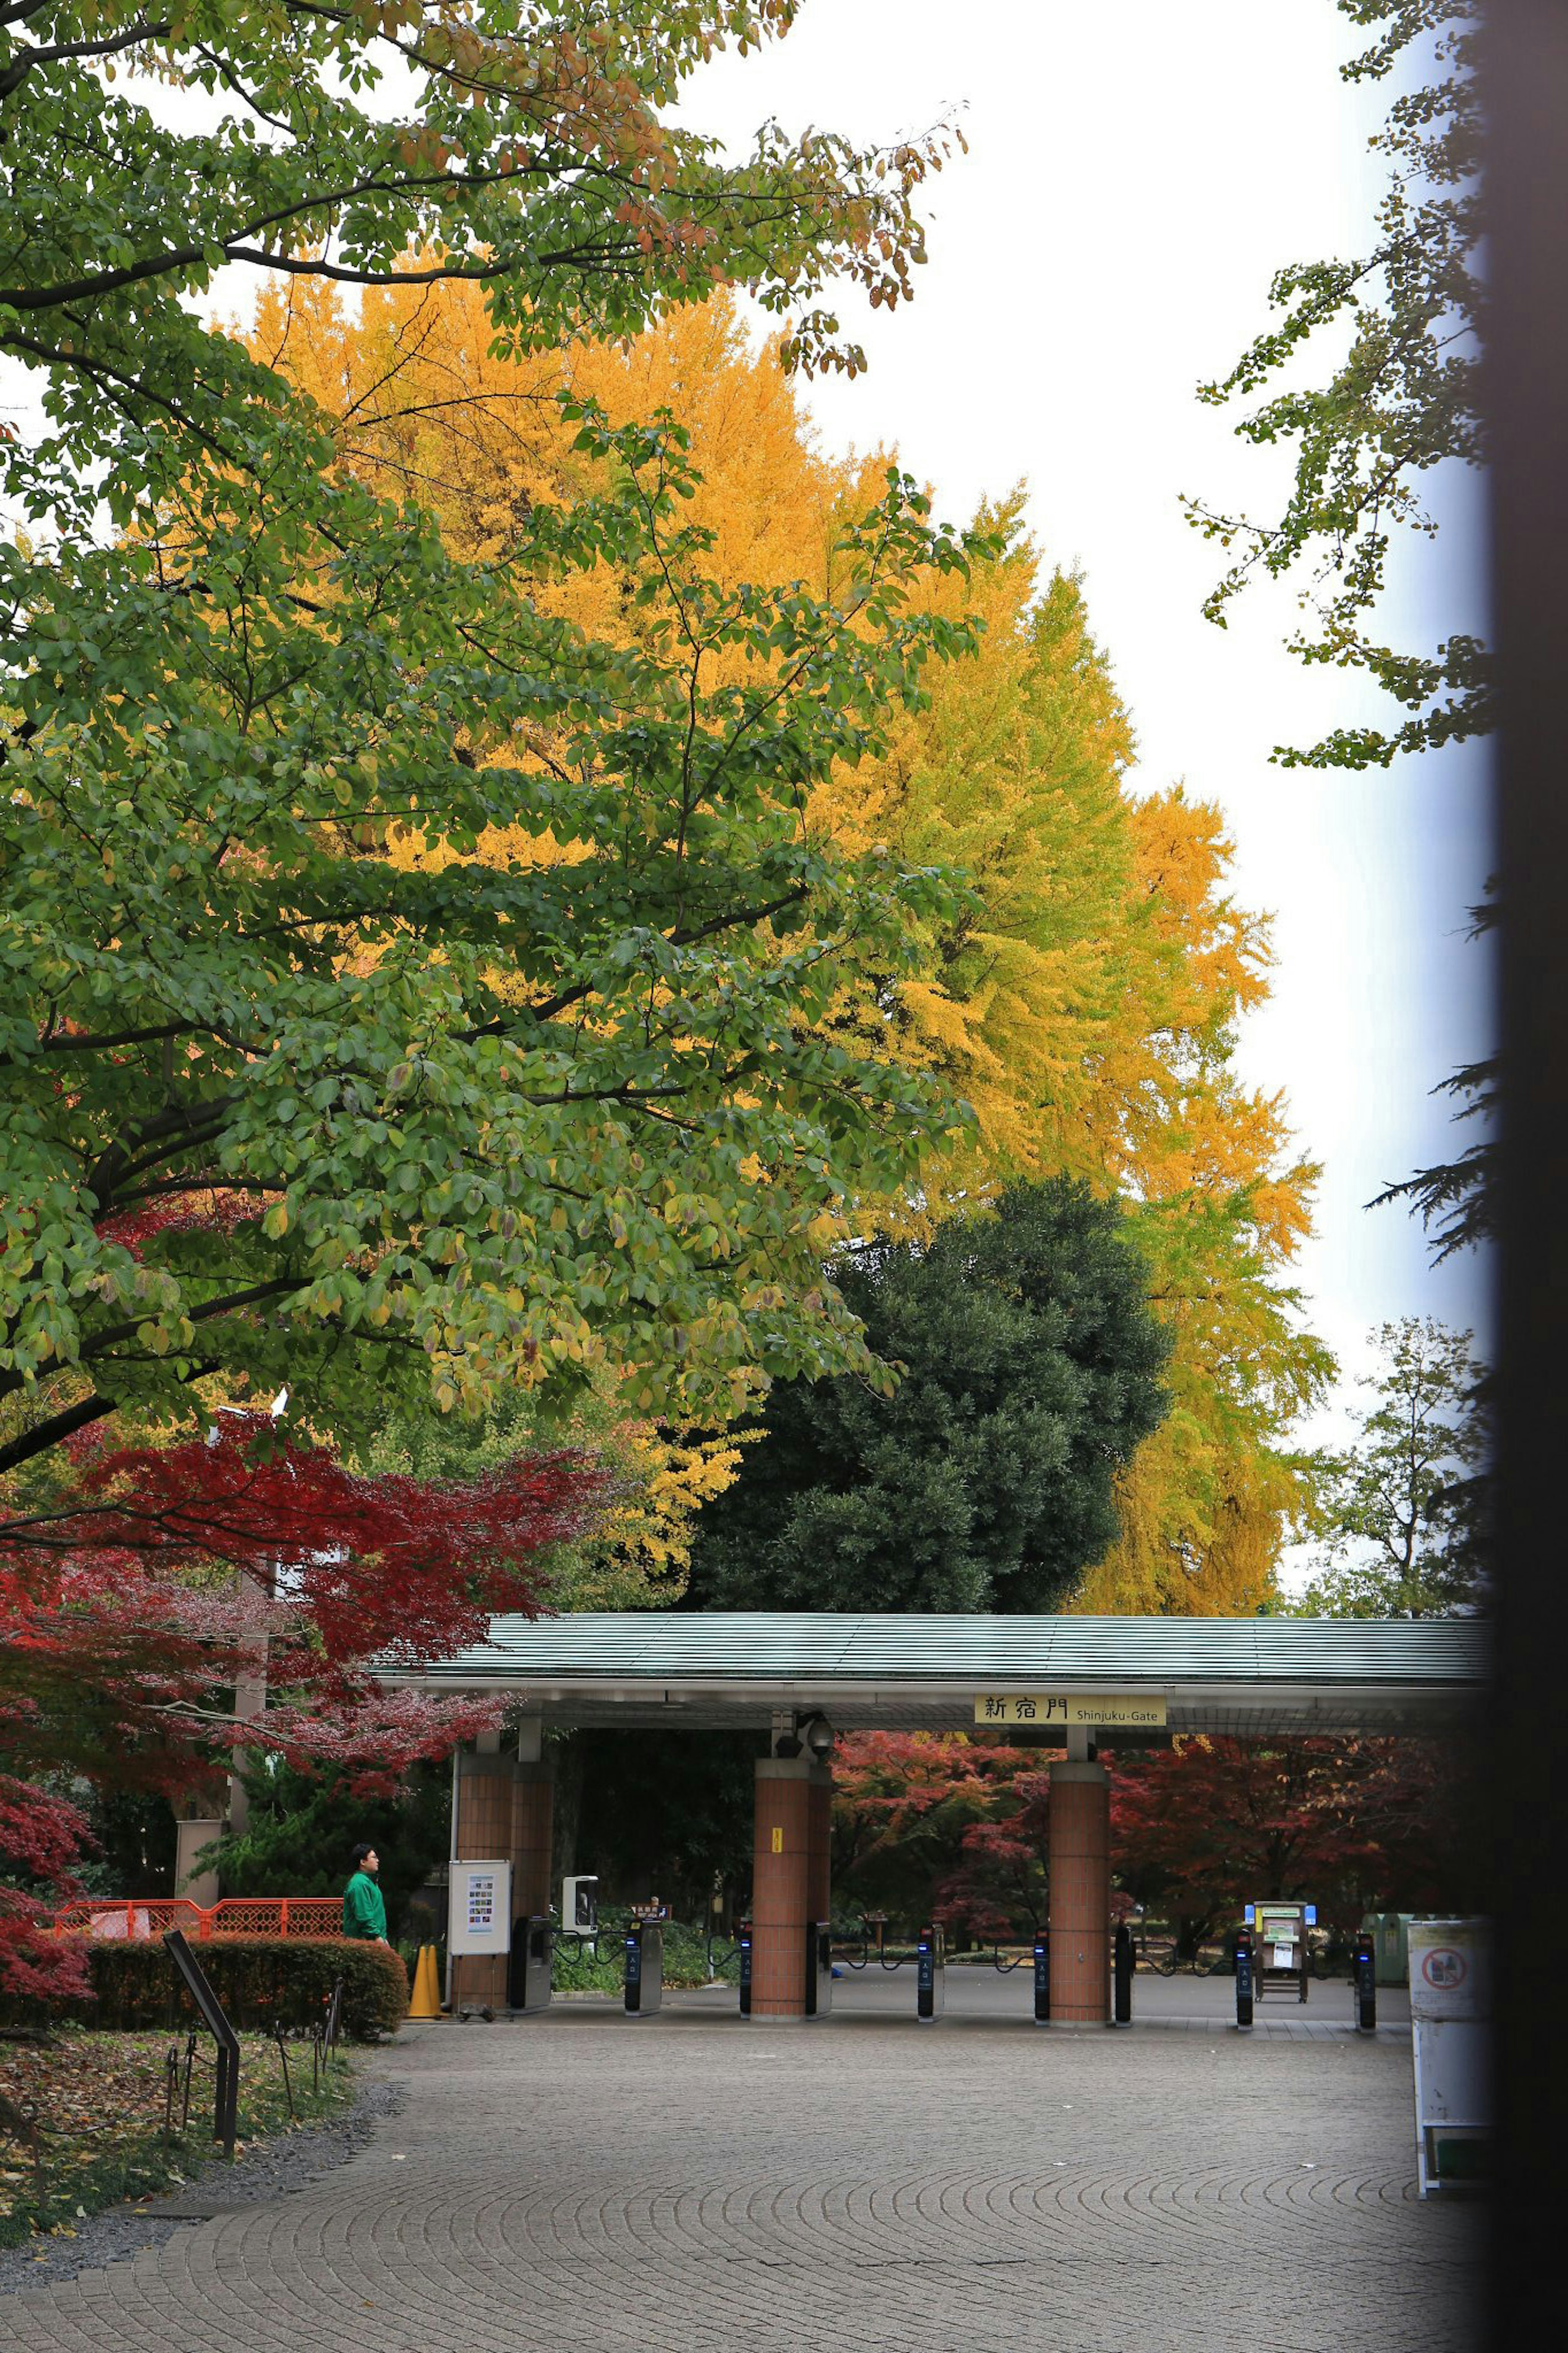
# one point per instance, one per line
(98, 2102)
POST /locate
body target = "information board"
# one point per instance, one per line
(1450, 2013)
(478, 1918)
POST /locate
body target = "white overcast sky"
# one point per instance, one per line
(1136, 174)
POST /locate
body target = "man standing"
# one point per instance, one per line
(364, 1913)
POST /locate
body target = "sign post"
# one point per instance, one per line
(478, 1918)
(1280, 1956)
(226, 2096)
(1450, 2012)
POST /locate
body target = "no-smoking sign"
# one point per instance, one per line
(1445, 1967)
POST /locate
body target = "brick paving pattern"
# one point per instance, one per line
(690, 2184)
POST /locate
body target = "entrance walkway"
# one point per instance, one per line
(693, 2184)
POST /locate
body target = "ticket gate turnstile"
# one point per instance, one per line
(929, 1973)
(818, 1969)
(645, 1968)
(1121, 1961)
(529, 1967)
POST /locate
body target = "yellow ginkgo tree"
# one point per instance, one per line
(1080, 993)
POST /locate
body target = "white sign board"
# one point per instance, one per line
(480, 1916)
(1450, 2013)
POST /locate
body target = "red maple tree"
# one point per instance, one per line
(1350, 1825)
(940, 1823)
(133, 1607)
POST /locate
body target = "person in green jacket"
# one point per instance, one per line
(364, 1913)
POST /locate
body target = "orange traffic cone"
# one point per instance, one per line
(425, 1999)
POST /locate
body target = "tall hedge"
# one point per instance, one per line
(261, 1981)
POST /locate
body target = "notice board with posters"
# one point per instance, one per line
(478, 1918)
(1450, 2013)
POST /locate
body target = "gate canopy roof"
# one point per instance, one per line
(723, 1669)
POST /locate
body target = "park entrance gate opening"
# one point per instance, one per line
(804, 1679)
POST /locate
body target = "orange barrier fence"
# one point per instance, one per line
(234, 1916)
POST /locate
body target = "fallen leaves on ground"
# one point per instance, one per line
(82, 2118)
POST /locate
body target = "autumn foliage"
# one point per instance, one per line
(353, 1568)
(1082, 999)
(41, 1841)
(161, 1579)
(927, 1821)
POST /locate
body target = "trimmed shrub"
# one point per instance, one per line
(263, 1982)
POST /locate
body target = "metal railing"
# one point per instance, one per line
(142, 1918)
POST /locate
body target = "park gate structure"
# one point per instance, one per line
(1070, 1684)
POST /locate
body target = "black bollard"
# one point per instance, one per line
(744, 1934)
(1244, 1977)
(1042, 1980)
(1121, 1974)
(1363, 1979)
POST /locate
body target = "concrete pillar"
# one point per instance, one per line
(502, 1810)
(190, 1834)
(789, 1879)
(1081, 1894)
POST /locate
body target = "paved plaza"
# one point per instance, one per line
(690, 2183)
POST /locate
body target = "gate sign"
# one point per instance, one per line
(1123, 1710)
(480, 1916)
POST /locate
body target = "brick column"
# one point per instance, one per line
(533, 1812)
(789, 1879)
(1081, 1894)
(483, 1801)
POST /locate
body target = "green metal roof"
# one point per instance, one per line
(729, 1668)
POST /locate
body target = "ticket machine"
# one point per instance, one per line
(1282, 1960)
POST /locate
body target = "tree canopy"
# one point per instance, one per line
(1405, 1507)
(410, 990)
(1030, 1370)
(525, 147)
(301, 1086)
(1082, 994)
(1403, 399)
(941, 1823)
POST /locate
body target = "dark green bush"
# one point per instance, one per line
(261, 1981)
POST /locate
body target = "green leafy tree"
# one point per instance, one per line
(300, 1113)
(304, 1081)
(527, 146)
(303, 1827)
(1456, 1200)
(1031, 1369)
(1403, 399)
(1404, 1507)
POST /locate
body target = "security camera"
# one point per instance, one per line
(817, 1734)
